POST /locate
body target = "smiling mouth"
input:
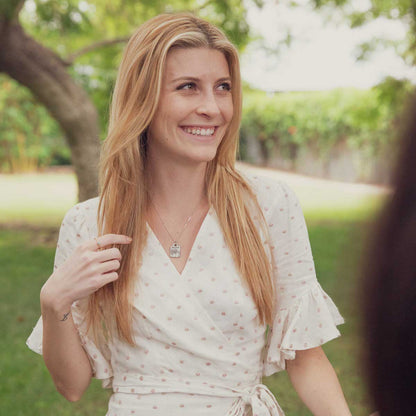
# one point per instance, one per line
(200, 131)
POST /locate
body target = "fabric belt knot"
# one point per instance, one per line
(260, 399)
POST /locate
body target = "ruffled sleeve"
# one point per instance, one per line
(78, 226)
(305, 316)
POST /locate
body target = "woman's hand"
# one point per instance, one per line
(91, 266)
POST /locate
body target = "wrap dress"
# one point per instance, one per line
(200, 349)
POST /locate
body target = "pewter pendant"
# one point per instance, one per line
(175, 250)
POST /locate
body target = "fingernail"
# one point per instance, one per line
(129, 239)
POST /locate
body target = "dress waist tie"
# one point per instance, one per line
(257, 396)
(261, 400)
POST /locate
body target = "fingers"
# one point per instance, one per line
(108, 266)
(108, 254)
(88, 269)
(101, 280)
(109, 277)
(107, 240)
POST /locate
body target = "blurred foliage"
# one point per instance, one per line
(68, 25)
(365, 119)
(30, 139)
(404, 10)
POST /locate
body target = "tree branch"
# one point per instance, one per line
(19, 7)
(42, 71)
(71, 58)
(10, 9)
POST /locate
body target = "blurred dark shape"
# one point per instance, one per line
(389, 289)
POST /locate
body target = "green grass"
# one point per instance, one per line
(26, 388)
(38, 202)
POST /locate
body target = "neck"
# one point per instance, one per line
(177, 188)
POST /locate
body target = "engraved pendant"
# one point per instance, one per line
(175, 250)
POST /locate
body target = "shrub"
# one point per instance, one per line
(30, 138)
(362, 118)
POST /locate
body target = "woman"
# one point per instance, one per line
(174, 318)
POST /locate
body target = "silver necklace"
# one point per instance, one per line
(175, 247)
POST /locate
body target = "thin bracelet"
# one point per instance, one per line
(65, 316)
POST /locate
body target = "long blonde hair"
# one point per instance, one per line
(124, 196)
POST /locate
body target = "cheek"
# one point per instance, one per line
(173, 112)
(229, 111)
(154, 128)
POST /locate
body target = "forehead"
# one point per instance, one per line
(195, 62)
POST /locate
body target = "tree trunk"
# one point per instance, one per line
(44, 73)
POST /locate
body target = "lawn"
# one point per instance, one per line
(30, 211)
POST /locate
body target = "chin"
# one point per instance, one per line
(203, 158)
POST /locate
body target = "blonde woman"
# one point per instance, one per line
(164, 286)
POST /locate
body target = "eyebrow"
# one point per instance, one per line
(189, 78)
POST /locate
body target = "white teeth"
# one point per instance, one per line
(200, 131)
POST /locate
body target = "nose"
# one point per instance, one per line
(209, 106)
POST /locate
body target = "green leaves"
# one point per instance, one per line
(30, 138)
(68, 25)
(320, 120)
(404, 10)
(64, 16)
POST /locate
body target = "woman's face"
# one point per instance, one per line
(195, 107)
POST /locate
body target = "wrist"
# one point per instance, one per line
(53, 303)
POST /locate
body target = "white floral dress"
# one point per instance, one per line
(200, 348)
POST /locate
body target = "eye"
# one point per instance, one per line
(187, 86)
(224, 86)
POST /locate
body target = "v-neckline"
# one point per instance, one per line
(194, 243)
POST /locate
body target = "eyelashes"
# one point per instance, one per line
(224, 86)
(187, 86)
